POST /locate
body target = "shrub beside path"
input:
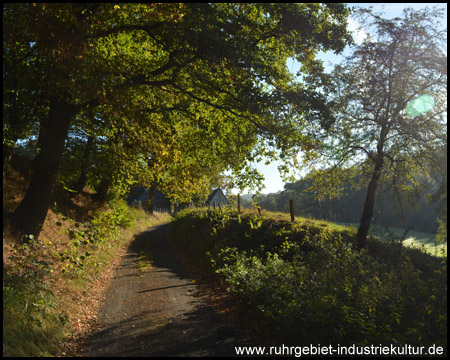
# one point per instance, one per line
(152, 308)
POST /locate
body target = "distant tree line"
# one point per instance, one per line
(420, 216)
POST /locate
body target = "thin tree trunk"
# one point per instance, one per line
(81, 182)
(369, 203)
(102, 190)
(151, 199)
(31, 212)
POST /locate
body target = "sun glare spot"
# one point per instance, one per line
(420, 105)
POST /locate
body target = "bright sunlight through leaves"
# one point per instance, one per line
(421, 105)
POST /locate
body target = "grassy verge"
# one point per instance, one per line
(52, 286)
(415, 239)
(308, 284)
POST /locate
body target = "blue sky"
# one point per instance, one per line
(273, 182)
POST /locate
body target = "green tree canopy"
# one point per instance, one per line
(212, 70)
(385, 121)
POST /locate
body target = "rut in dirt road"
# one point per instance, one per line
(157, 311)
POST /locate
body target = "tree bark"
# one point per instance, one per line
(81, 182)
(369, 203)
(7, 151)
(102, 191)
(151, 199)
(31, 212)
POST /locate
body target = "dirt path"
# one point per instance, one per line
(156, 310)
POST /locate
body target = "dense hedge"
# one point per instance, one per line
(310, 285)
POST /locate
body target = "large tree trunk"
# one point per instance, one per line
(369, 203)
(30, 214)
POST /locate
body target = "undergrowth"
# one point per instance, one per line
(43, 276)
(309, 284)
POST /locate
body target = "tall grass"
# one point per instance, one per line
(414, 239)
(33, 323)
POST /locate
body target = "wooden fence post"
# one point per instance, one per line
(291, 209)
(214, 205)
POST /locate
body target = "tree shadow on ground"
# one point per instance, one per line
(199, 331)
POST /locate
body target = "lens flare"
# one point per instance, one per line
(421, 105)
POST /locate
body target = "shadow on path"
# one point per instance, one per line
(158, 311)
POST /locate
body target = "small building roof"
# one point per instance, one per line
(218, 196)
